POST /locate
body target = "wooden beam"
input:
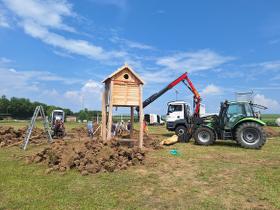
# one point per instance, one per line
(104, 115)
(141, 118)
(109, 126)
(131, 121)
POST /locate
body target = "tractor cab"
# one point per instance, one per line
(232, 112)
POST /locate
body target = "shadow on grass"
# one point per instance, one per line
(219, 143)
(226, 143)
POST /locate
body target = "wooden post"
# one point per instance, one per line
(109, 126)
(103, 126)
(141, 118)
(131, 121)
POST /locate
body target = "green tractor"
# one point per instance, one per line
(236, 121)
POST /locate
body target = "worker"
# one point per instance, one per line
(145, 127)
(114, 129)
(90, 128)
(128, 126)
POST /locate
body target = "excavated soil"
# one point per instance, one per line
(10, 136)
(81, 132)
(88, 157)
(149, 141)
(270, 132)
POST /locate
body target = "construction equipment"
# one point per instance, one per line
(57, 123)
(237, 120)
(39, 109)
(178, 118)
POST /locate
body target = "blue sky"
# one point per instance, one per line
(58, 52)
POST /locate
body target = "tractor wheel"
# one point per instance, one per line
(251, 135)
(204, 136)
(181, 132)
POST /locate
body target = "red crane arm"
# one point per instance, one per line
(196, 96)
(186, 80)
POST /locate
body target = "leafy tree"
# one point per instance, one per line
(22, 108)
(4, 105)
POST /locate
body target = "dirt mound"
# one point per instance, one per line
(149, 141)
(270, 132)
(83, 132)
(12, 136)
(88, 157)
(152, 141)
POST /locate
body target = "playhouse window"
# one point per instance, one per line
(125, 76)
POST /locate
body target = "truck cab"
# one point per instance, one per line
(178, 113)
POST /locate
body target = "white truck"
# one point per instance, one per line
(153, 119)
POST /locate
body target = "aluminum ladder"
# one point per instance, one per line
(39, 109)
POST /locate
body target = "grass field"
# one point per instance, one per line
(223, 176)
(270, 119)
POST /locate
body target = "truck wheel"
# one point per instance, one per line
(181, 132)
(251, 135)
(204, 136)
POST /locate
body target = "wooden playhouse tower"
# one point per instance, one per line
(123, 88)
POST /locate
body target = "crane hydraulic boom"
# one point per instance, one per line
(186, 80)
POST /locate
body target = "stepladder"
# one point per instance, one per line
(38, 110)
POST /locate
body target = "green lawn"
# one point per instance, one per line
(223, 176)
(270, 119)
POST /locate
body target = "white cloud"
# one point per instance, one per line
(266, 66)
(211, 90)
(138, 45)
(33, 85)
(271, 65)
(41, 76)
(47, 13)
(121, 4)
(88, 96)
(79, 47)
(39, 17)
(194, 61)
(92, 86)
(3, 20)
(271, 104)
(157, 76)
(4, 61)
(131, 44)
(21, 84)
(28, 82)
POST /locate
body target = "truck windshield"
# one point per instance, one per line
(174, 108)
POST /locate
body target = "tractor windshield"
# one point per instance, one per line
(249, 110)
(235, 112)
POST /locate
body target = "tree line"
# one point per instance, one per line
(23, 108)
